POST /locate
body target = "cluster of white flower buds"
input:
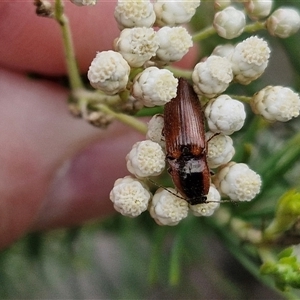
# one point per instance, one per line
(230, 22)
(141, 52)
(140, 46)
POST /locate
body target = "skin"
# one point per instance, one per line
(56, 170)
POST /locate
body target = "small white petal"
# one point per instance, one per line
(249, 59)
(212, 77)
(130, 196)
(225, 115)
(109, 72)
(155, 129)
(283, 22)
(229, 23)
(237, 181)
(223, 50)
(145, 159)
(137, 13)
(220, 149)
(155, 86)
(208, 208)
(276, 103)
(175, 12)
(167, 209)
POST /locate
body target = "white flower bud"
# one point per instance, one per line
(221, 4)
(137, 13)
(276, 103)
(146, 158)
(175, 12)
(237, 181)
(223, 50)
(130, 196)
(109, 72)
(212, 77)
(208, 208)
(229, 23)
(258, 9)
(137, 45)
(220, 149)
(155, 86)
(283, 22)
(249, 59)
(225, 115)
(155, 128)
(167, 209)
(174, 43)
(84, 2)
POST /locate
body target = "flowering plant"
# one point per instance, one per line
(136, 75)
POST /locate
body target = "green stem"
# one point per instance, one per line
(73, 72)
(209, 31)
(253, 27)
(177, 252)
(244, 99)
(240, 228)
(180, 72)
(96, 97)
(157, 248)
(265, 254)
(129, 120)
(204, 34)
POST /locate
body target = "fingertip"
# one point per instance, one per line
(31, 43)
(81, 187)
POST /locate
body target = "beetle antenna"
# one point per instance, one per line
(171, 192)
(188, 200)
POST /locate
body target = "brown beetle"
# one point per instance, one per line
(186, 145)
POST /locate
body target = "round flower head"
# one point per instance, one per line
(137, 13)
(130, 196)
(155, 128)
(237, 181)
(174, 43)
(84, 2)
(145, 159)
(283, 22)
(276, 103)
(225, 115)
(208, 208)
(155, 86)
(258, 9)
(229, 23)
(220, 149)
(212, 77)
(109, 72)
(249, 59)
(175, 12)
(137, 45)
(167, 209)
